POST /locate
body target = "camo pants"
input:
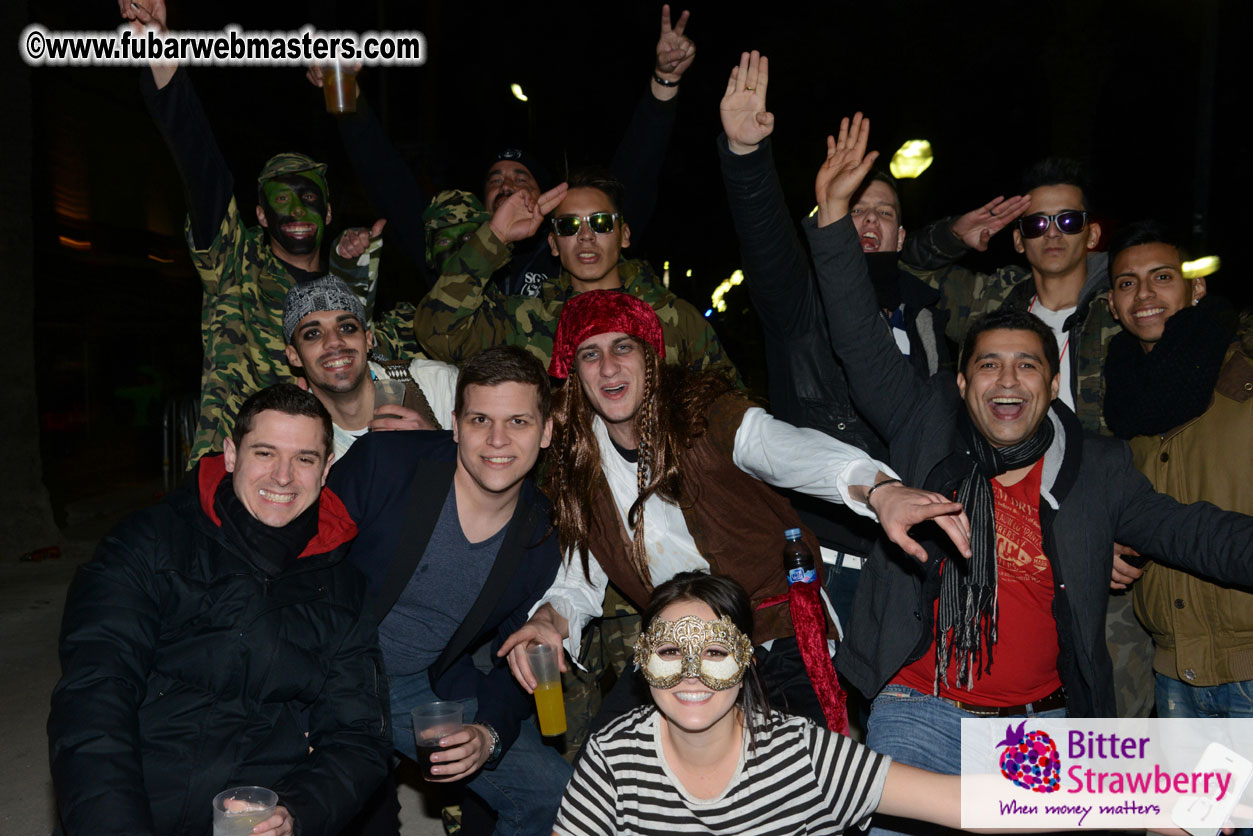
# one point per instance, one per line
(1131, 649)
(608, 645)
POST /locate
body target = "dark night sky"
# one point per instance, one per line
(993, 86)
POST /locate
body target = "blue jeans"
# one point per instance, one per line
(1176, 698)
(526, 786)
(923, 731)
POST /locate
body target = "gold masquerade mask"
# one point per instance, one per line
(715, 652)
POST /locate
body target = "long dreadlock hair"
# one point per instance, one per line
(670, 418)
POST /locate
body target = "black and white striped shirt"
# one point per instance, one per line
(800, 779)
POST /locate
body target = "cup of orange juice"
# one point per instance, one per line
(548, 700)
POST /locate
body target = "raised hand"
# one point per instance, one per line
(675, 52)
(149, 13)
(356, 240)
(846, 165)
(744, 116)
(143, 13)
(548, 200)
(976, 227)
(519, 216)
(900, 508)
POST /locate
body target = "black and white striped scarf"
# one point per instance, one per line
(966, 622)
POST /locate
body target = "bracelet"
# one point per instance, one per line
(876, 487)
(663, 82)
(494, 754)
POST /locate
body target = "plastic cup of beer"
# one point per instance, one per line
(339, 86)
(549, 705)
(238, 810)
(433, 721)
(388, 392)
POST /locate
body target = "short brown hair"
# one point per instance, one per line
(505, 364)
(288, 399)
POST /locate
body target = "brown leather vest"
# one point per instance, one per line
(736, 520)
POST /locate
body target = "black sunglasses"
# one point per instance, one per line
(599, 222)
(1070, 222)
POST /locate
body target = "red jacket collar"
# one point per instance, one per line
(335, 527)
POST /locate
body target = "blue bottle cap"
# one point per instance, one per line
(792, 534)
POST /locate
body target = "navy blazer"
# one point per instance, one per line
(394, 485)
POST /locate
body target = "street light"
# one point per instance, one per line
(516, 90)
(911, 159)
(1203, 266)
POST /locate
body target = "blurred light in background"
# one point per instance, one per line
(911, 159)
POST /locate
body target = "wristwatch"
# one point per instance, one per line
(493, 755)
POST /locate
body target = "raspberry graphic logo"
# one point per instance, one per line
(1029, 759)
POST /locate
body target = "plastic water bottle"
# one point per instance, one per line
(797, 559)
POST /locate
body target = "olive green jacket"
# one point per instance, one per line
(1203, 632)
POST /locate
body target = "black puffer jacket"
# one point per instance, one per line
(186, 670)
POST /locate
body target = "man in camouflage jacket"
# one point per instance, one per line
(246, 273)
(465, 312)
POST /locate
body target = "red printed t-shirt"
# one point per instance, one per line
(1024, 660)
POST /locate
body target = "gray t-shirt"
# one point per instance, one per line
(438, 595)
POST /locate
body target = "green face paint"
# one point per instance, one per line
(444, 243)
(295, 210)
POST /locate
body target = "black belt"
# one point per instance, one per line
(1053, 701)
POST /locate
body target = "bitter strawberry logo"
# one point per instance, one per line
(1030, 759)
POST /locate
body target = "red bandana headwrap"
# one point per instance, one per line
(601, 312)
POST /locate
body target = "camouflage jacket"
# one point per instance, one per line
(465, 312)
(241, 321)
(964, 294)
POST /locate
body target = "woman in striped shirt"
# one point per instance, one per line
(711, 757)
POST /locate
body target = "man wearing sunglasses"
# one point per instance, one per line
(1067, 287)
(523, 266)
(464, 314)
(1054, 228)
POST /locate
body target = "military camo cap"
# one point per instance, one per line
(329, 293)
(291, 163)
(452, 207)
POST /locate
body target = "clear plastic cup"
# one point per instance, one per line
(238, 810)
(339, 87)
(433, 721)
(550, 707)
